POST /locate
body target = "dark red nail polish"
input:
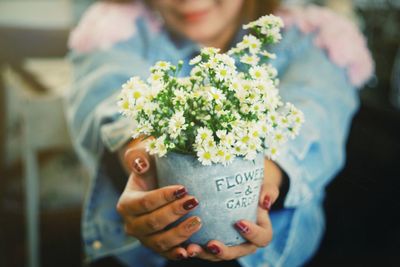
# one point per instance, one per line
(214, 249)
(180, 256)
(180, 193)
(267, 203)
(190, 204)
(140, 165)
(243, 228)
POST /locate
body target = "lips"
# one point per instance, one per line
(194, 16)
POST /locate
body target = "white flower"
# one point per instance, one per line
(205, 156)
(180, 97)
(258, 72)
(196, 72)
(267, 54)
(207, 66)
(220, 153)
(229, 110)
(195, 60)
(176, 124)
(243, 139)
(162, 65)
(124, 106)
(137, 93)
(257, 108)
(143, 128)
(210, 51)
(226, 60)
(156, 77)
(250, 59)
(272, 152)
(238, 150)
(254, 44)
(279, 137)
(211, 146)
(250, 154)
(272, 72)
(149, 108)
(133, 82)
(228, 158)
(203, 134)
(223, 73)
(157, 146)
(217, 95)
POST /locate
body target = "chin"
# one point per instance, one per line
(200, 35)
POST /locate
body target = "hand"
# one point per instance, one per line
(147, 211)
(257, 234)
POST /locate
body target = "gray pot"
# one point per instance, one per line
(226, 193)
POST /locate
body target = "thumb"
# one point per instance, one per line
(141, 164)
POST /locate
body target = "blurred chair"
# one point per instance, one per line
(43, 128)
(25, 33)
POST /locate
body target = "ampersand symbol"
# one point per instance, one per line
(248, 191)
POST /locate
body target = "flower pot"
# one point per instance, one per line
(226, 194)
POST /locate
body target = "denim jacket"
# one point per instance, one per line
(308, 79)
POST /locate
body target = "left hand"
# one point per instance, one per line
(257, 234)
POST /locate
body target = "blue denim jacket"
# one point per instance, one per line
(308, 79)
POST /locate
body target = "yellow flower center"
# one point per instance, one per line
(137, 95)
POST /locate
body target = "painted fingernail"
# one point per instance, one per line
(193, 223)
(214, 249)
(180, 256)
(243, 228)
(180, 193)
(190, 204)
(140, 165)
(267, 203)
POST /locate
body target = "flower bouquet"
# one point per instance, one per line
(211, 130)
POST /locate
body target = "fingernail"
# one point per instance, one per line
(193, 223)
(190, 204)
(214, 249)
(192, 254)
(180, 193)
(180, 256)
(267, 203)
(243, 228)
(140, 165)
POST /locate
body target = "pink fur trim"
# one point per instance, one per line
(344, 43)
(106, 23)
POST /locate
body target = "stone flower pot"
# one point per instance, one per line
(226, 194)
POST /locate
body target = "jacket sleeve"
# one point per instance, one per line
(324, 93)
(92, 110)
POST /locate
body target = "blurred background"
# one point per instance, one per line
(42, 183)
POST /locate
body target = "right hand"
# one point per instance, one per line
(147, 211)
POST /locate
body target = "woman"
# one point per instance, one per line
(117, 40)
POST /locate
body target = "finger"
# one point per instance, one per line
(176, 253)
(165, 241)
(139, 162)
(197, 251)
(268, 195)
(136, 148)
(193, 250)
(145, 180)
(259, 235)
(223, 252)
(161, 218)
(138, 202)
